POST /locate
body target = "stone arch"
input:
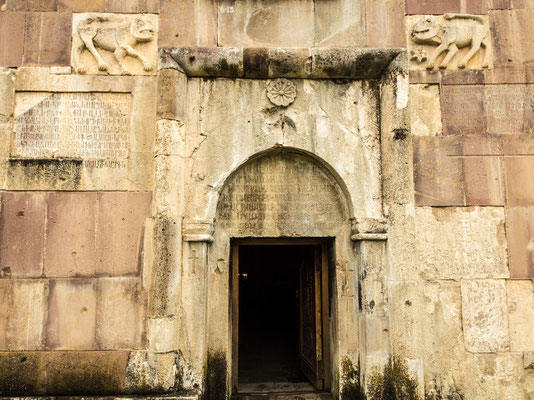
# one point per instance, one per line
(283, 192)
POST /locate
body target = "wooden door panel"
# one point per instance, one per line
(310, 326)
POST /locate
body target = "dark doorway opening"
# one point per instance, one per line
(278, 314)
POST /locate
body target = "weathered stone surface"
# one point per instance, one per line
(141, 59)
(463, 109)
(4, 310)
(436, 42)
(342, 24)
(46, 41)
(27, 318)
(71, 315)
(151, 372)
(22, 225)
(457, 242)
(266, 23)
(509, 109)
(188, 23)
(12, 39)
(163, 334)
(92, 126)
(255, 202)
(70, 240)
(438, 171)
(520, 238)
(432, 6)
(519, 178)
(172, 88)
(82, 5)
(119, 313)
(484, 315)
(521, 315)
(31, 5)
(121, 217)
(425, 110)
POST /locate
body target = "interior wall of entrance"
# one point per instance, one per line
(280, 316)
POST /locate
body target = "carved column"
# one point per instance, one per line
(370, 237)
(197, 235)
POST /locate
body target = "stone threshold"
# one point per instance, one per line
(268, 63)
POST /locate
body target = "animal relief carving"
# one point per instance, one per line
(101, 33)
(449, 34)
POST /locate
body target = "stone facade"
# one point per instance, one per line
(139, 138)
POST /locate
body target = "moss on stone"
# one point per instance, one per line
(216, 376)
(351, 388)
(393, 383)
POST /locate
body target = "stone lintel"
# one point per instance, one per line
(268, 63)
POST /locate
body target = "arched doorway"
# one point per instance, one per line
(286, 219)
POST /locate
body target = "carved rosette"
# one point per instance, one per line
(281, 92)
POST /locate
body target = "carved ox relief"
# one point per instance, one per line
(459, 37)
(104, 34)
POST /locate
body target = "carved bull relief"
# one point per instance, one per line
(114, 44)
(451, 41)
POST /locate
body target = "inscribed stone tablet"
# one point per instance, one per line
(461, 242)
(90, 126)
(484, 315)
(281, 194)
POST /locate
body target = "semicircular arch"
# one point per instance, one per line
(283, 192)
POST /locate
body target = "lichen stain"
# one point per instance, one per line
(393, 383)
(350, 381)
(216, 376)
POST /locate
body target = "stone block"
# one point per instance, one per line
(75, 373)
(432, 6)
(171, 94)
(460, 242)
(170, 138)
(119, 239)
(509, 109)
(71, 315)
(507, 46)
(7, 102)
(485, 315)
(425, 110)
(31, 5)
(484, 181)
(151, 372)
(4, 310)
(266, 23)
(32, 38)
(188, 23)
(521, 315)
(385, 23)
(11, 38)
(340, 24)
(120, 313)
(132, 6)
(18, 375)
(163, 334)
(55, 45)
(438, 171)
(520, 238)
(143, 59)
(22, 230)
(82, 5)
(463, 110)
(519, 178)
(44, 174)
(27, 318)
(70, 235)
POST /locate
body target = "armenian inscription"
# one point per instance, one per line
(280, 194)
(91, 126)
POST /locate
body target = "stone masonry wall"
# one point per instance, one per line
(76, 230)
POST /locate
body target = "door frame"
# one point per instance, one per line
(325, 244)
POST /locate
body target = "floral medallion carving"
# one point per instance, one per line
(281, 92)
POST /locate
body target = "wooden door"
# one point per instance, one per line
(311, 322)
